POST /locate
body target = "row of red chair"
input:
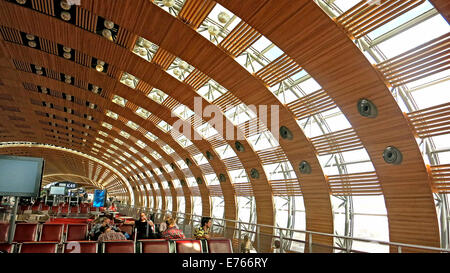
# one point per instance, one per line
(146, 246)
(58, 209)
(28, 232)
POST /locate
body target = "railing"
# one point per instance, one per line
(233, 229)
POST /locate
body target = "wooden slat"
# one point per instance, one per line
(418, 63)
(339, 141)
(440, 178)
(355, 184)
(432, 121)
(365, 16)
(311, 104)
(240, 38)
(194, 12)
(278, 70)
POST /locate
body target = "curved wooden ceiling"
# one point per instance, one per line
(71, 115)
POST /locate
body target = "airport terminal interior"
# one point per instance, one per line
(224, 126)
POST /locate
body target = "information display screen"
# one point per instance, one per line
(20, 176)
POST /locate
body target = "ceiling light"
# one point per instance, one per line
(67, 49)
(65, 5)
(223, 17)
(107, 34)
(108, 24)
(213, 30)
(65, 16)
(30, 36)
(142, 52)
(21, 1)
(183, 65)
(169, 3)
(67, 55)
(32, 43)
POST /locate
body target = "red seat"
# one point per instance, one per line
(220, 246)
(55, 209)
(84, 209)
(38, 247)
(154, 246)
(188, 246)
(4, 227)
(76, 232)
(51, 232)
(25, 232)
(65, 210)
(74, 209)
(24, 208)
(6, 247)
(119, 247)
(35, 208)
(45, 207)
(81, 247)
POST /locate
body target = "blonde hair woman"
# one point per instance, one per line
(172, 232)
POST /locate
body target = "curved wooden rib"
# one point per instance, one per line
(325, 51)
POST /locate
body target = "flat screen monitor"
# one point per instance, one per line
(99, 198)
(57, 190)
(21, 176)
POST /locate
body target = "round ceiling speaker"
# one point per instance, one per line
(32, 44)
(30, 36)
(286, 133)
(199, 180)
(213, 30)
(222, 178)
(66, 49)
(21, 1)
(39, 72)
(64, 5)
(392, 155)
(254, 173)
(304, 167)
(188, 162)
(67, 55)
(367, 109)
(108, 24)
(239, 146)
(209, 155)
(99, 68)
(168, 3)
(68, 80)
(65, 16)
(223, 17)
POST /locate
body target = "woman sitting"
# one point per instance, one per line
(172, 232)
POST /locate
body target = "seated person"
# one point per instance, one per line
(107, 234)
(112, 207)
(172, 232)
(144, 227)
(202, 232)
(95, 231)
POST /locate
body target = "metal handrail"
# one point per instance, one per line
(306, 232)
